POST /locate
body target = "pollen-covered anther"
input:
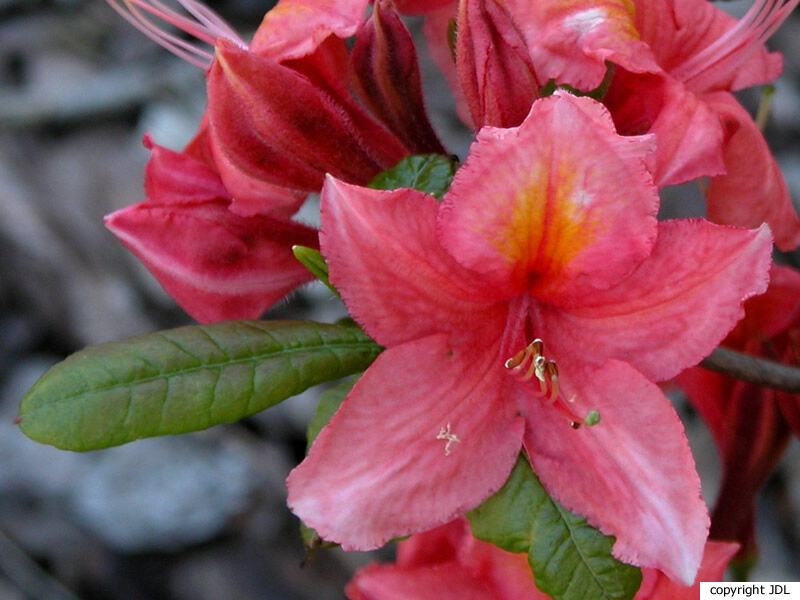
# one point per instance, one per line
(530, 362)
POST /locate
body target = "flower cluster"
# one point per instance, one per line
(538, 304)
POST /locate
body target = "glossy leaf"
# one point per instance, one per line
(186, 379)
(430, 173)
(570, 559)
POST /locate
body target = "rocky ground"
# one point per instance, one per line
(198, 516)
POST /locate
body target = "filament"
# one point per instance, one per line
(204, 25)
(730, 49)
(531, 362)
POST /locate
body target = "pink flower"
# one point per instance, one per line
(217, 264)
(215, 229)
(705, 54)
(751, 425)
(447, 563)
(280, 110)
(661, 66)
(547, 233)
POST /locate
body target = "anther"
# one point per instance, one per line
(530, 362)
(452, 438)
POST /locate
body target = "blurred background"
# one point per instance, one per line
(198, 516)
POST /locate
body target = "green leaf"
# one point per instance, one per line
(569, 558)
(430, 173)
(186, 379)
(314, 262)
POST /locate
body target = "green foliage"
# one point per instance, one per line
(570, 559)
(430, 173)
(314, 262)
(186, 379)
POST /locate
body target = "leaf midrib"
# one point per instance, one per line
(207, 366)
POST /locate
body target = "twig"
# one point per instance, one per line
(754, 370)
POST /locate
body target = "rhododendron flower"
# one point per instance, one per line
(280, 115)
(751, 424)
(280, 111)
(215, 263)
(447, 563)
(541, 289)
(661, 66)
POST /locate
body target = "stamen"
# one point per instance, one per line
(204, 26)
(452, 438)
(733, 47)
(552, 372)
(530, 362)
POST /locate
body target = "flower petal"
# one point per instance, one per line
(772, 312)
(690, 136)
(179, 178)
(248, 195)
(439, 29)
(657, 586)
(540, 207)
(425, 435)
(675, 308)
(386, 75)
(420, 7)
(507, 573)
(753, 191)
(275, 125)
(570, 42)
(394, 277)
(441, 544)
(217, 265)
(296, 28)
(632, 475)
(494, 69)
(436, 582)
(680, 31)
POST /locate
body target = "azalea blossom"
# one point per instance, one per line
(217, 264)
(661, 66)
(215, 229)
(280, 111)
(751, 424)
(540, 293)
(448, 563)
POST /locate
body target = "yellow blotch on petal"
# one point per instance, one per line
(549, 222)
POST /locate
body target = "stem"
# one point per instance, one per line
(754, 370)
